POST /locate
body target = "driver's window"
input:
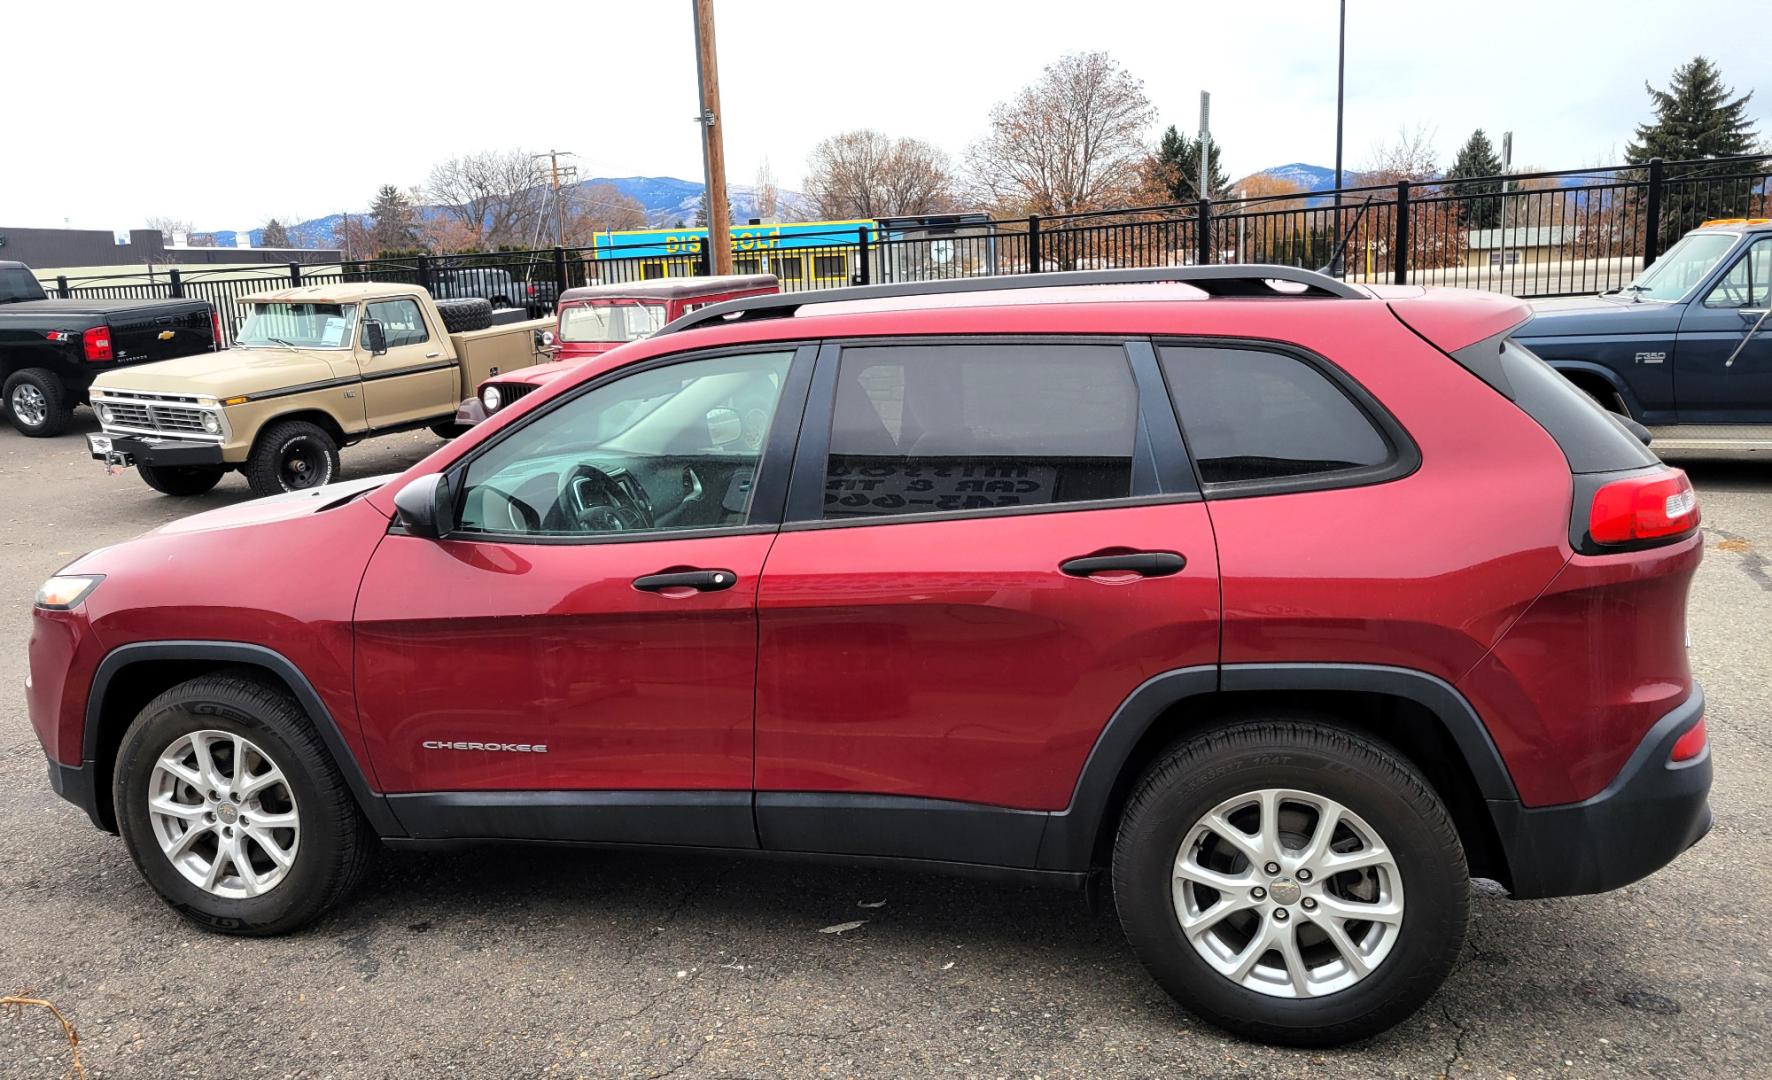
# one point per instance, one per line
(1746, 283)
(675, 447)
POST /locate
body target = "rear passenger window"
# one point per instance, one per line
(1256, 415)
(922, 429)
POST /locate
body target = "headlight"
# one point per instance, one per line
(64, 591)
(212, 423)
(491, 398)
(104, 414)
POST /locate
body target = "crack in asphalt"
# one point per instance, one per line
(1457, 1043)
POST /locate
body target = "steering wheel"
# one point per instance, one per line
(596, 503)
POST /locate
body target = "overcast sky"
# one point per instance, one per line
(228, 113)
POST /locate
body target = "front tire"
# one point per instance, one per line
(292, 456)
(233, 810)
(180, 479)
(1291, 881)
(37, 403)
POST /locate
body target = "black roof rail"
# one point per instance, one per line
(1250, 280)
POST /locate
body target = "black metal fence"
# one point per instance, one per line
(1530, 234)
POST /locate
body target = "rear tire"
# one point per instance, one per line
(181, 479)
(249, 731)
(1309, 987)
(468, 313)
(36, 403)
(292, 456)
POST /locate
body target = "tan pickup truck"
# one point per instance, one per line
(312, 369)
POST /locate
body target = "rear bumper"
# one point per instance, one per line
(1653, 810)
(139, 450)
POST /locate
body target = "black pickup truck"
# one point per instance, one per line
(51, 350)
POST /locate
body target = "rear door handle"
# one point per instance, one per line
(1142, 563)
(701, 580)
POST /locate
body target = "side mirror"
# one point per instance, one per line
(426, 507)
(375, 337)
(544, 339)
(724, 426)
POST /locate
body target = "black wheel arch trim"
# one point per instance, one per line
(1069, 840)
(373, 804)
(1600, 371)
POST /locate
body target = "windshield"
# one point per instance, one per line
(298, 326)
(1681, 266)
(611, 320)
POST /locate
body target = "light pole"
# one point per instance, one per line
(1340, 101)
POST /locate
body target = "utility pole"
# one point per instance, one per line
(554, 172)
(713, 149)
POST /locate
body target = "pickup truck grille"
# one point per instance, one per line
(144, 417)
(513, 390)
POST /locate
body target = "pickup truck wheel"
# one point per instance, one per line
(37, 404)
(448, 429)
(292, 456)
(233, 810)
(468, 313)
(1291, 881)
(180, 479)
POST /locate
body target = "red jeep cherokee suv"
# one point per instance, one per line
(1292, 605)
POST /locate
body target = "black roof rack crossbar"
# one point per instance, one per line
(1251, 280)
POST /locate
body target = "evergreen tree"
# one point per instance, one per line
(1696, 118)
(273, 235)
(1177, 167)
(395, 228)
(1477, 158)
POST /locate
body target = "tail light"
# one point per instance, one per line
(215, 327)
(1691, 744)
(1659, 506)
(97, 343)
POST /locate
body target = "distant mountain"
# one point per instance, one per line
(1305, 177)
(666, 200)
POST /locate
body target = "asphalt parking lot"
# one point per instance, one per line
(538, 962)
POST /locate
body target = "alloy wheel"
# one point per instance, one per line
(29, 404)
(1288, 893)
(224, 814)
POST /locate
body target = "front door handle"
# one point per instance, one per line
(700, 580)
(1142, 563)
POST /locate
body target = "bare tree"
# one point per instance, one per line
(766, 198)
(596, 208)
(864, 174)
(1072, 141)
(498, 195)
(167, 226)
(1411, 157)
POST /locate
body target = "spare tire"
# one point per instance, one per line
(469, 313)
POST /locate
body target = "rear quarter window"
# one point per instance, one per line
(1263, 418)
(1591, 438)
